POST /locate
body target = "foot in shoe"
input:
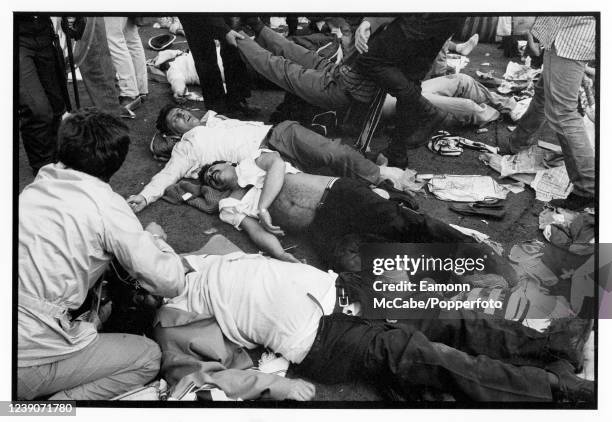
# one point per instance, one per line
(573, 202)
(466, 48)
(566, 385)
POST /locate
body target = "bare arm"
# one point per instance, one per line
(265, 240)
(274, 166)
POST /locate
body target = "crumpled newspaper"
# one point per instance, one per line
(459, 188)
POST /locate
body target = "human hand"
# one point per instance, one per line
(232, 36)
(156, 230)
(287, 257)
(266, 222)
(137, 202)
(362, 35)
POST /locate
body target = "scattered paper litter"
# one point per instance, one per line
(460, 188)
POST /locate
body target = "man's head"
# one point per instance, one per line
(93, 142)
(220, 175)
(173, 120)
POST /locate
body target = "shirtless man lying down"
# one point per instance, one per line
(265, 189)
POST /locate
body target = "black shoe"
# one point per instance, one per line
(567, 338)
(570, 387)
(573, 202)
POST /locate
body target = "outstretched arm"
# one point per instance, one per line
(274, 166)
(266, 241)
(181, 162)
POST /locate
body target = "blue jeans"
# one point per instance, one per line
(112, 364)
(97, 69)
(556, 103)
(462, 96)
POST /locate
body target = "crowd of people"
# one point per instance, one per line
(264, 179)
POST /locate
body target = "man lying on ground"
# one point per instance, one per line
(193, 143)
(332, 86)
(289, 308)
(264, 189)
(71, 225)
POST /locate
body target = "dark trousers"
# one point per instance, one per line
(399, 57)
(42, 81)
(400, 357)
(201, 38)
(352, 208)
(310, 151)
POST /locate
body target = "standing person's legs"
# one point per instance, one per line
(316, 87)
(562, 87)
(41, 104)
(111, 365)
(310, 151)
(349, 347)
(134, 45)
(204, 51)
(120, 55)
(97, 70)
(236, 76)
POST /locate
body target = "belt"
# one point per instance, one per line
(326, 191)
(41, 305)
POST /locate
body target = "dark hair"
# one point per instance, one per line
(205, 168)
(93, 142)
(162, 123)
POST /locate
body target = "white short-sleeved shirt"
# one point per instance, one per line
(259, 300)
(233, 210)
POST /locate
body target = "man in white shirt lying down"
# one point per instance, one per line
(191, 143)
(289, 308)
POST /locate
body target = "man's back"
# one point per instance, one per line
(70, 226)
(259, 300)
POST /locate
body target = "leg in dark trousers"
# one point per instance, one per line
(41, 94)
(202, 46)
(398, 58)
(403, 358)
(310, 151)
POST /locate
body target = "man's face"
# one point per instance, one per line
(181, 121)
(221, 176)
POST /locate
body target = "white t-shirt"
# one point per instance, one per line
(233, 210)
(220, 140)
(258, 300)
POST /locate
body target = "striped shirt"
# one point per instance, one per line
(355, 84)
(572, 36)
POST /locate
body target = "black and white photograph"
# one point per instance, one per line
(305, 210)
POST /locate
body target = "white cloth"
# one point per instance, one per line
(181, 72)
(233, 210)
(260, 301)
(70, 226)
(220, 139)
